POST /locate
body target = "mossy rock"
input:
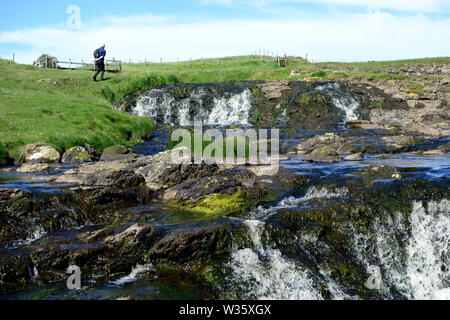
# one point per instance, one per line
(218, 204)
(39, 153)
(76, 155)
(117, 153)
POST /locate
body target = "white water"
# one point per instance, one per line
(292, 202)
(134, 275)
(38, 233)
(414, 263)
(342, 100)
(263, 273)
(412, 252)
(225, 110)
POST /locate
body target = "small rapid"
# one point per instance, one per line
(342, 100)
(207, 106)
(412, 253)
(230, 104)
(262, 272)
(408, 254)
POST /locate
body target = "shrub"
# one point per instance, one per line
(145, 83)
(173, 79)
(320, 74)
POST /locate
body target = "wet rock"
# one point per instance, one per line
(330, 140)
(158, 171)
(434, 152)
(313, 110)
(23, 217)
(196, 244)
(36, 167)
(196, 189)
(326, 148)
(214, 196)
(323, 154)
(355, 157)
(131, 236)
(106, 174)
(15, 219)
(397, 144)
(373, 173)
(40, 153)
(117, 153)
(161, 172)
(76, 155)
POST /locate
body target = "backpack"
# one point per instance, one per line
(96, 54)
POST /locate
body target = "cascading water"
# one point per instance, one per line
(342, 100)
(413, 254)
(262, 272)
(200, 105)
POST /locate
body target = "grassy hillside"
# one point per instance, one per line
(66, 108)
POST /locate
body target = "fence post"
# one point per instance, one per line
(14, 57)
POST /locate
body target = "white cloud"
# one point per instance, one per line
(373, 35)
(425, 6)
(207, 2)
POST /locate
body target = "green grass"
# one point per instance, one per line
(4, 156)
(66, 108)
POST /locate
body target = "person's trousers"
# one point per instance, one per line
(99, 68)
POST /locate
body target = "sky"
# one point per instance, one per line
(339, 30)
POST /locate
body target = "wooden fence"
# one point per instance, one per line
(114, 65)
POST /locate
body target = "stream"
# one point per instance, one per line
(399, 249)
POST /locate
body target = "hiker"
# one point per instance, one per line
(99, 58)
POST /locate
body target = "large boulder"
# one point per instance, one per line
(323, 154)
(76, 155)
(157, 171)
(330, 140)
(99, 175)
(161, 172)
(117, 153)
(196, 189)
(40, 153)
(214, 196)
(329, 147)
(399, 143)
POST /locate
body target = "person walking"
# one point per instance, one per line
(99, 59)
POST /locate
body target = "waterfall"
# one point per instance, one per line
(342, 100)
(409, 252)
(201, 104)
(262, 272)
(413, 253)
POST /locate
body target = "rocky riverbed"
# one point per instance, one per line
(359, 209)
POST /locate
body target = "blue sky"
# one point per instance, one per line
(138, 30)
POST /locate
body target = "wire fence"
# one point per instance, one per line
(255, 56)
